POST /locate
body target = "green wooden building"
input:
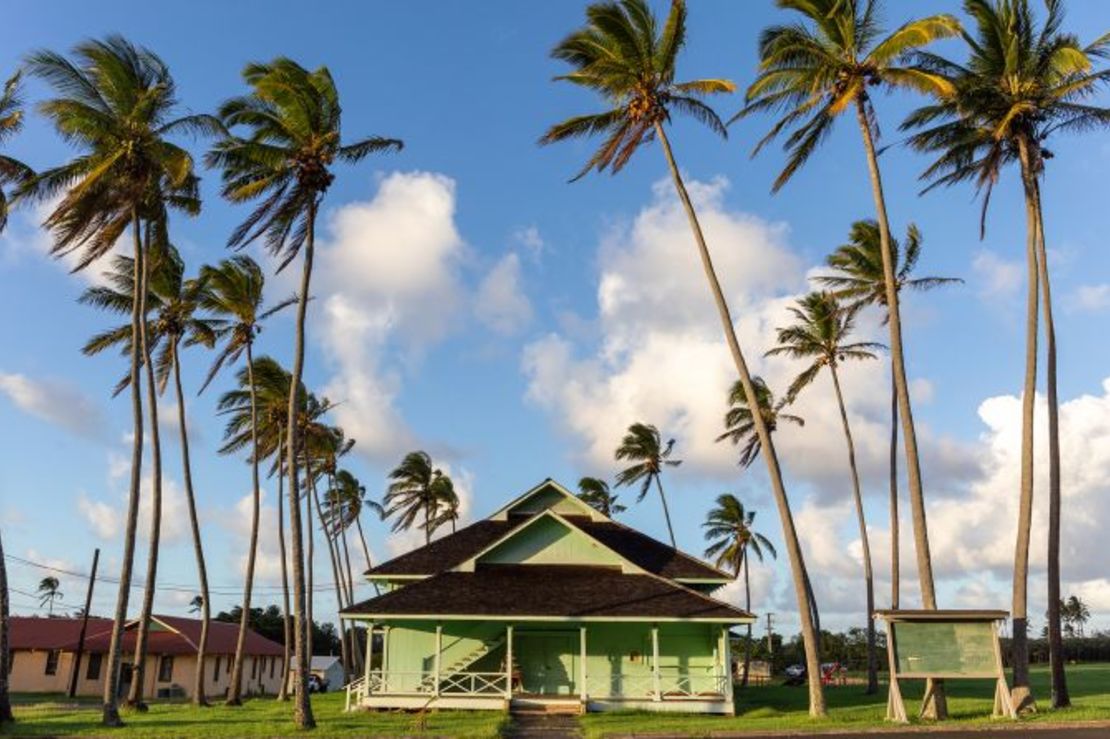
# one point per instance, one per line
(546, 603)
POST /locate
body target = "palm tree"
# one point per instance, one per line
(643, 447)
(820, 336)
(196, 605)
(293, 117)
(48, 593)
(116, 104)
(740, 430)
(233, 295)
(411, 494)
(12, 171)
(624, 56)
(174, 302)
(858, 280)
(594, 492)
(728, 529)
(1077, 613)
(811, 72)
(1022, 83)
(350, 496)
(447, 502)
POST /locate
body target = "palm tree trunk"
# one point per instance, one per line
(235, 688)
(5, 657)
(937, 707)
(362, 538)
(1060, 697)
(1022, 693)
(310, 557)
(340, 595)
(286, 625)
(895, 552)
(790, 534)
(868, 574)
(135, 697)
(194, 524)
(748, 608)
(302, 704)
(110, 712)
(355, 652)
(666, 512)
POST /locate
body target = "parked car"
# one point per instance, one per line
(317, 684)
(795, 671)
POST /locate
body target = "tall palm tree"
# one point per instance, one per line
(447, 502)
(595, 493)
(624, 56)
(12, 171)
(233, 294)
(1078, 613)
(728, 529)
(350, 495)
(820, 336)
(858, 280)
(411, 494)
(740, 430)
(48, 593)
(643, 447)
(293, 118)
(116, 104)
(196, 605)
(173, 302)
(811, 72)
(1023, 82)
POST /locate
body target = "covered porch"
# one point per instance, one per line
(579, 664)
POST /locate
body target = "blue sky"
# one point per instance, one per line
(473, 303)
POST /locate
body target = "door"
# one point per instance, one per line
(547, 662)
(124, 679)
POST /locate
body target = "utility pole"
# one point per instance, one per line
(770, 642)
(84, 626)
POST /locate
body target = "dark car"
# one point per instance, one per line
(317, 684)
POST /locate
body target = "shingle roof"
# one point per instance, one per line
(62, 633)
(551, 591)
(640, 549)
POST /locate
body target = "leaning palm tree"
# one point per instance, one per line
(858, 280)
(48, 593)
(173, 302)
(812, 72)
(1023, 82)
(293, 117)
(12, 171)
(728, 529)
(410, 495)
(233, 294)
(820, 336)
(624, 56)
(643, 446)
(595, 493)
(447, 502)
(351, 497)
(116, 103)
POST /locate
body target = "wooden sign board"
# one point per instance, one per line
(935, 645)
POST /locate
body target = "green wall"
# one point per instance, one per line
(548, 541)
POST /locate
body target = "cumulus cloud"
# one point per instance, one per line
(501, 303)
(1089, 298)
(106, 519)
(57, 402)
(997, 277)
(531, 240)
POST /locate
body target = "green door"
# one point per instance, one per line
(547, 662)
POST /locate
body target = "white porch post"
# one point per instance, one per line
(369, 654)
(727, 652)
(582, 662)
(655, 662)
(439, 650)
(509, 662)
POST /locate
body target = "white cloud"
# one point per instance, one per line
(997, 276)
(106, 520)
(500, 302)
(531, 240)
(25, 237)
(102, 518)
(389, 276)
(56, 401)
(1090, 298)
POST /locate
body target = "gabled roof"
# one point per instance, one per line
(443, 554)
(547, 487)
(548, 592)
(33, 632)
(650, 554)
(179, 636)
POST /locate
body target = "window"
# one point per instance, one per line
(216, 670)
(254, 667)
(52, 662)
(228, 670)
(273, 661)
(92, 671)
(165, 668)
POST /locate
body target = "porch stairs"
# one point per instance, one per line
(486, 646)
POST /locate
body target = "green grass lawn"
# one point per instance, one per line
(776, 707)
(55, 716)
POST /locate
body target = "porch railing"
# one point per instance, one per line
(356, 691)
(394, 682)
(672, 685)
(473, 683)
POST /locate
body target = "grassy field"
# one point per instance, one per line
(46, 716)
(778, 708)
(758, 710)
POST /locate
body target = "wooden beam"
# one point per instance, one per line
(582, 663)
(439, 651)
(658, 691)
(509, 662)
(369, 654)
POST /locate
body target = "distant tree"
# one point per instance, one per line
(48, 593)
(643, 447)
(739, 425)
(410, 495)
(196, 604)
(595, 493)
